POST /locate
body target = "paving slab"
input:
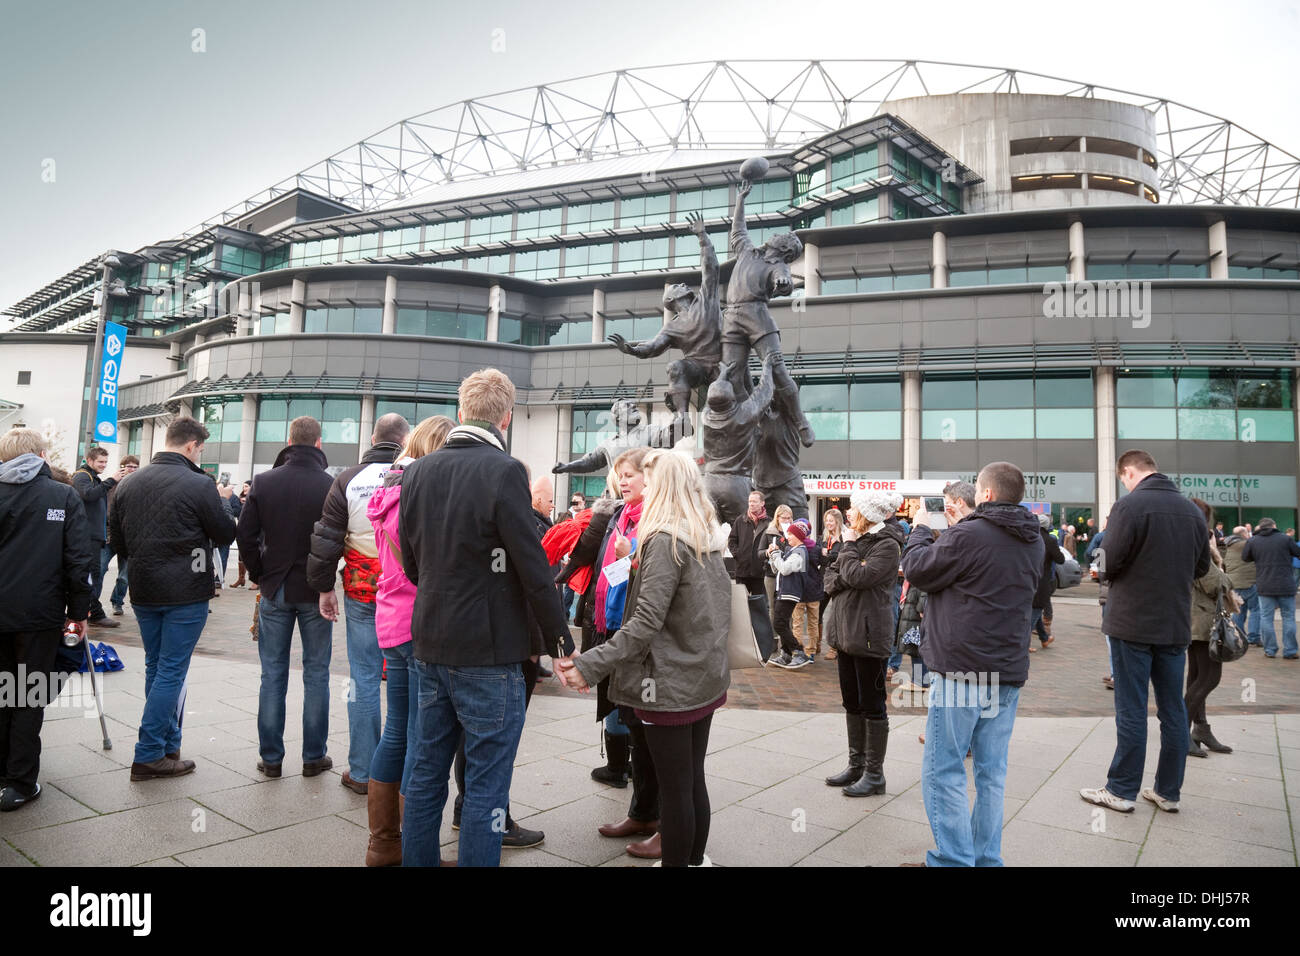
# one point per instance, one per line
(323, 842)
(880, 841)
(282, 802)
(112, 791)
(1034, 844)
(761, 768)
(743, 837)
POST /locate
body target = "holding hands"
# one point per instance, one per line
(569, 675)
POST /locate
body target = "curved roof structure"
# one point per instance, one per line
(744, 105)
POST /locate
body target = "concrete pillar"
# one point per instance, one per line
(496, 301)
(247, 433)
(939, 261)
(1104, 400)
(367, 424)
(597, 315)
(667, 315)
(297, 307)
(1078, 267)
(245, 323)
(812, 263)
(146, 441)
(187, 408)
(1219, 250)
(911, 425)
(199, 339)
(390, 305)
(174, 354)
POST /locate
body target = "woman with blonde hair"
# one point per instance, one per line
(390, 768)
(832, 541)
(668, 661)
(782, 518)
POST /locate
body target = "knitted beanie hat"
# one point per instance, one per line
(876, 506)
(802, 529)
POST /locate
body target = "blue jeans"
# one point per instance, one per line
(97, 571)
(274, 638)
(1249, 606)
(488, 702)
(119, 588)
(1268, 603)
(1134, 666)
(614, 726)
(365, 664)
(168, 633)
(393, 756)
(896, 659)
(965, 717)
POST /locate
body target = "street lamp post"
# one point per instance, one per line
(110, 262)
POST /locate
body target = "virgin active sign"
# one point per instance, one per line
(110, 370)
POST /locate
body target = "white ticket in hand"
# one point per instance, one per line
(618, 572)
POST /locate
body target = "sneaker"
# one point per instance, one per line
(1169, 806)
(800, 659)
(519, 838)
(11, 798)
(1104, 798)
(117, 610)
(780, 659)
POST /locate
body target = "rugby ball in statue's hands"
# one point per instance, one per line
(754, 168)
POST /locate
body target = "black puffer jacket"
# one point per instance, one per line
(1272, 552)
(1047, 583)
(743, 543)
(45, 550)
(94, 492)
(980, 577)
(166, 519)
(860, 617)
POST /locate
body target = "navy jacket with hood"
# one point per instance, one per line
(980, 577)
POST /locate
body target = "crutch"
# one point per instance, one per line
(99, 703)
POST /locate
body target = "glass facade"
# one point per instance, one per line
(1104, 271)
(634, 328)
(589, 260)
(339, 417)
(1207, 404)
(361, 320)
(544, 330)
(637, 255)
(398, 242)
(242, 262)
(861, 410)
(273, 323)
(889, 282)
(591, 426)
(1013, 405)
(446, 323)
(861, 210)
(651, 210)
(223, 417)
(1012, 274)
(539, 223)
(414, 412)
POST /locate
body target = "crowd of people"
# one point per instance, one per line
(457, 583)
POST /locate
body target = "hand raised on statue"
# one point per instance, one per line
(560, 468)
(620, 343)
(695, 222)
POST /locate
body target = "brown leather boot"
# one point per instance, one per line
(629, 827)
(384, 808)
(160, 768)
(651, 849)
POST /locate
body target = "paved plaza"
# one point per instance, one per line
(769, 750)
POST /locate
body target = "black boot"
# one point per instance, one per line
(1201, 735)
(857, 726)
(614, 773)
(1193, 748)
(872, 781)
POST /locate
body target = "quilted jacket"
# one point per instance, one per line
(166, 519)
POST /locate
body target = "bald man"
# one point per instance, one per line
(344, 531)
(543, 501)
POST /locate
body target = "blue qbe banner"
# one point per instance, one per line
(110, 370)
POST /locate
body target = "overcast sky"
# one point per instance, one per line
(149, 138)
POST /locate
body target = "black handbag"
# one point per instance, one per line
(1227, 641)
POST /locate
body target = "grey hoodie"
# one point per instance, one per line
(20, 470)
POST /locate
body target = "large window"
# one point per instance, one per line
(859, 166)
(355, 248)
(889, 282)
(488, 229)
(543, 330)
(398, 242)
(242, 262)
(538, 264)
(368, 320)
(135, 432)
(591, 426)
(590, 216)
(1111, 271)
(772, 195)
(863, 210)
(634, 328)
(1262, 272)
(711, 203)
(414, 412)
(444, 235)
(1014, 405)
(339, 418)
(273, 323)
(444, 323)
(861, 410)
(539, 223)
(223, 418)
(1008, 274)
(1214, 404)
(589, 260)
(638, 255)
(643, 210)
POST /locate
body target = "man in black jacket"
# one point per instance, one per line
(1272, 551)
(1156, 547)
(980, 576)
(94, 492)
(274, 535)
(45, 562)
(1052, 554)
(469, 542)
(166, 520)
(745, 544)
(344, 531)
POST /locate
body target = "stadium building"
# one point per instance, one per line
(1021, 268)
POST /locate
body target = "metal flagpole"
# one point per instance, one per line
(109, 261)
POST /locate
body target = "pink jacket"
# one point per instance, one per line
(395, 598)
